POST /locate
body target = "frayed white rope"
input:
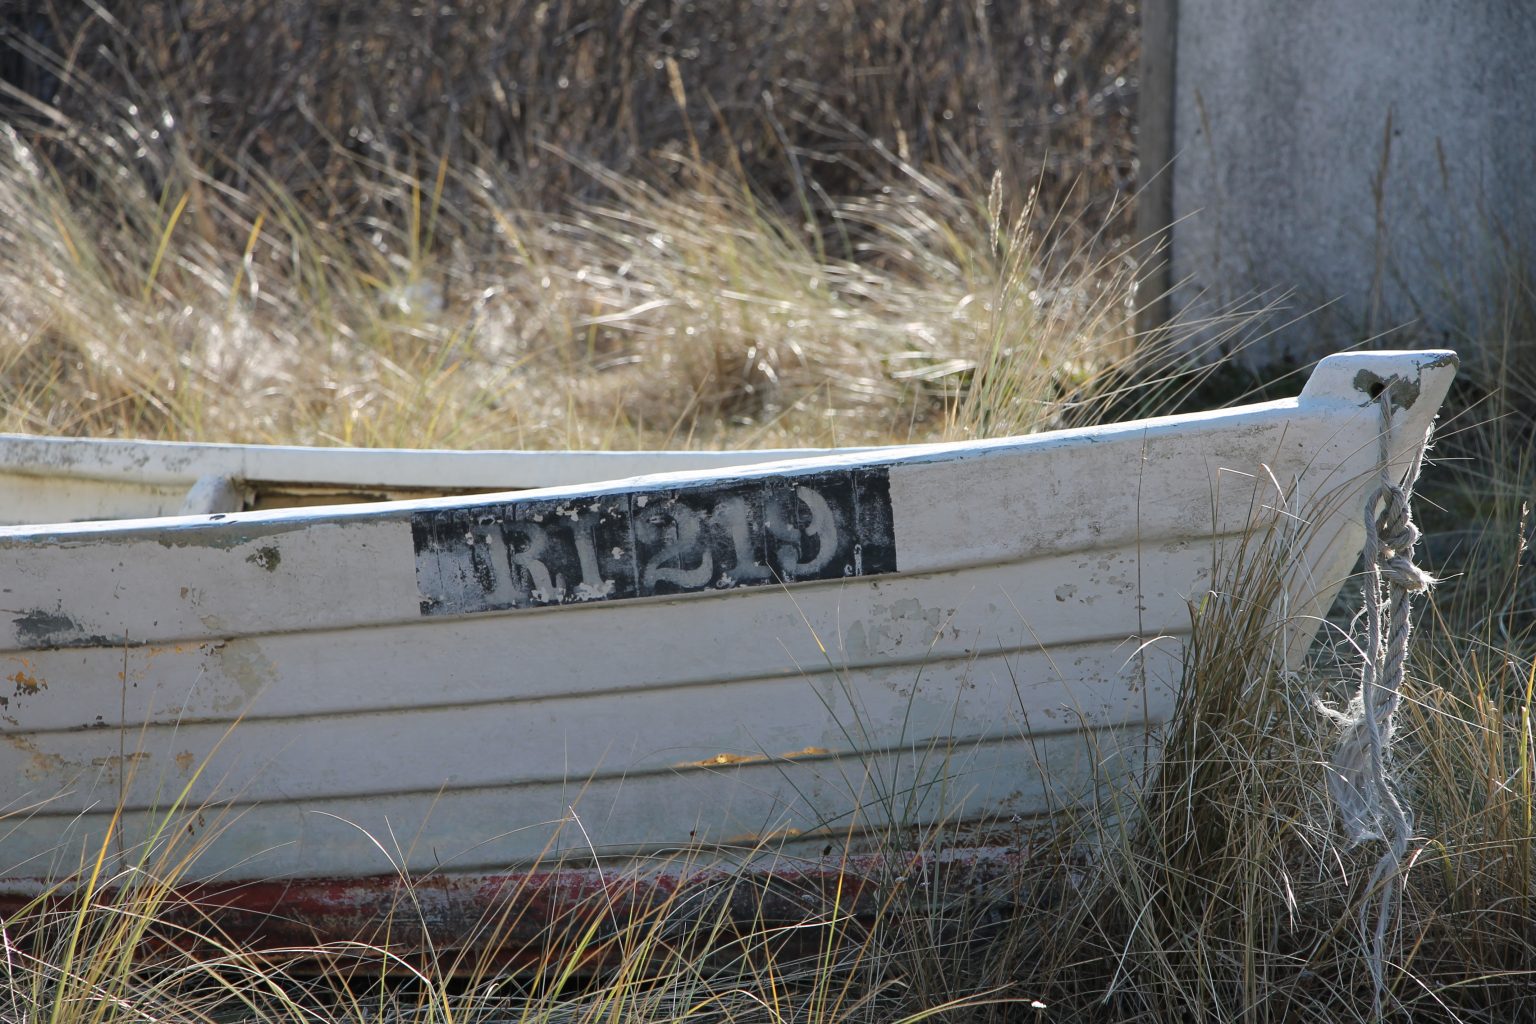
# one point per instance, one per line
(1362, 791)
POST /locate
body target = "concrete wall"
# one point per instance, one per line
(1372, 157)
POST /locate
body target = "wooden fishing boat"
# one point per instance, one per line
(490, 707)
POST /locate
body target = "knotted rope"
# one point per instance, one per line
(1367, 804)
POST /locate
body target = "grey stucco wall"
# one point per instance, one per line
(1372, 160)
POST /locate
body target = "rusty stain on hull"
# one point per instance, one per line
(26, 684)
(728, 758)
(115, 762)
(41, 764)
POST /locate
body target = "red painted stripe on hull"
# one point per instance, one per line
(520, 919)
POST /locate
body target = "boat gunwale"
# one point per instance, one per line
(1329, 386)
(147, 461)
(898, 455)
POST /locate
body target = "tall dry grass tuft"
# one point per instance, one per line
(1233, 895)
(639, 318)
(106, 936)
(1224, 897)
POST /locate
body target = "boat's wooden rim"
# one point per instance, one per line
(183, 462)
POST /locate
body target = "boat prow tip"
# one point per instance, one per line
(1359, 377)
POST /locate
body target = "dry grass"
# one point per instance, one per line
(1235, 897)
(255, 223)
(704, 316)
(569, 226)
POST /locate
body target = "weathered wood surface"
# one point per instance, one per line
(700, 661)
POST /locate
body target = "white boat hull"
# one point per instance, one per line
(767, 659)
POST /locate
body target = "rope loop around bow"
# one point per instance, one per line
(1367, 804)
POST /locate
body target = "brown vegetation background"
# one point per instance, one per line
(806, 96)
